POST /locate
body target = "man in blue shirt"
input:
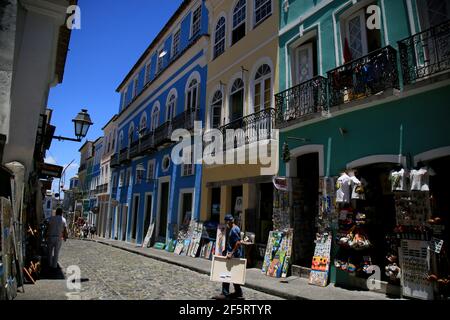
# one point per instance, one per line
(233, 250)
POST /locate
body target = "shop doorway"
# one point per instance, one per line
(124, 222)
(215, 204)
(265, 223)
(186, 208)
(379, 208)
(236, 192)
(148, 213)
(306, 213)
(134, 217)
(163, 212)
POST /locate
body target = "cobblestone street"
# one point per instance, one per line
(113, 274)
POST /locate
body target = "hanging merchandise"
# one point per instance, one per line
(399, 180)
(412, 208)
(321, 261)
(420, 179)
(414, 262)
(357, 186)
(392, 270)
(277, 260)
(343, 188)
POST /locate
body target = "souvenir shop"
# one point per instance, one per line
(392, 221)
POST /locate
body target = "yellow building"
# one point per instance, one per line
(242, 80)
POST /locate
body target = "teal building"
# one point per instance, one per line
(364, 85)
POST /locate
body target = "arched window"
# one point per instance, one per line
(121, 142)
(171, 107)
(216, 109)
(219, 38)
(192, 95)
(143, 124)
(239, 15)
(114, 140)
(237, 99)
(263, 88)
(131, 134)
(155, 117)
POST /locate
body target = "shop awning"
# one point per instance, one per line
(48, 170)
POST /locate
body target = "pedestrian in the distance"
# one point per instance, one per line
(93, 230)
(56, 232)
(232, 250)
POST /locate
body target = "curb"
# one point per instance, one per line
(256, 287)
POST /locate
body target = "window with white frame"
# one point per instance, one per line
(176, 43)
(160, 58)
(121, 142)
(124, 100)
(216, 109)
(263, 88)
(188, 167)
(263, 9)
(114, 140)
(135, 87)
(128, 179)
(147, 72)
(121, 179)
(196, 21)
(151, 170)
(192, 95)
(131, 134)
(219, 37)
(171, 107)
(139, 173)
(239, 16)
(143, 124)
(237, 100)
(155, 117)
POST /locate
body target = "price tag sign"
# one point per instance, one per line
(436, 245)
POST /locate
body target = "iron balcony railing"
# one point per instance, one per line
(124, 156)
(426, 53)
(146, 144)
(307, 98)
(115, 160)
(134, 149)
(185, 120)
(162, 134)
(252, 128)
(364, 77)
(102, 188)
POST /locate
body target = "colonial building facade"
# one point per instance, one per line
(163, 92)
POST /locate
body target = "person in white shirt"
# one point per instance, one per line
(343, 188)
(57, 230)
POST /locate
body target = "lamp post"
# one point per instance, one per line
(82, 123)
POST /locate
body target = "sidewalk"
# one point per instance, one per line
(288, 288)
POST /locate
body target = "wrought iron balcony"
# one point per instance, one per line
(364, 77)
(162, 134)
(134, 149)
(296, 103)
(102, 188)
(185, 120)
(146, 144)
(252, 128)
(426, 53)
(114, 163)
(124, 156)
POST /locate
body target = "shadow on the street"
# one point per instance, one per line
(48, 273)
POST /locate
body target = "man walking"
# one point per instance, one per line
(232, 250)
(57, 230)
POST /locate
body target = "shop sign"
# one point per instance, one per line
(281, 183)
(436, 245)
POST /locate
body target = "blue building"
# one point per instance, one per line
(164, 91)
(95, 180)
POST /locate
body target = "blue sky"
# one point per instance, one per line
(112, 37)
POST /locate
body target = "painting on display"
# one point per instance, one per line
(148, 237)
(228, 270)
(321, 261)
(220, 239)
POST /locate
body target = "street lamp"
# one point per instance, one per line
(82, 123)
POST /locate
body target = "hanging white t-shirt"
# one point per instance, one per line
(355, 183)
(420, 179)
(343, 189)
(398, 180)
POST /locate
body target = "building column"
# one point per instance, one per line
(225, 202)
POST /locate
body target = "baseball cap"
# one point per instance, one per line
(229, 217)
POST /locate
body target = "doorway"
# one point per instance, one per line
(215, 204)
(265, 223)
(306, 213)
(134, 217)
(124, 222)
(186, 208)
(163, 212)
(148, 213)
